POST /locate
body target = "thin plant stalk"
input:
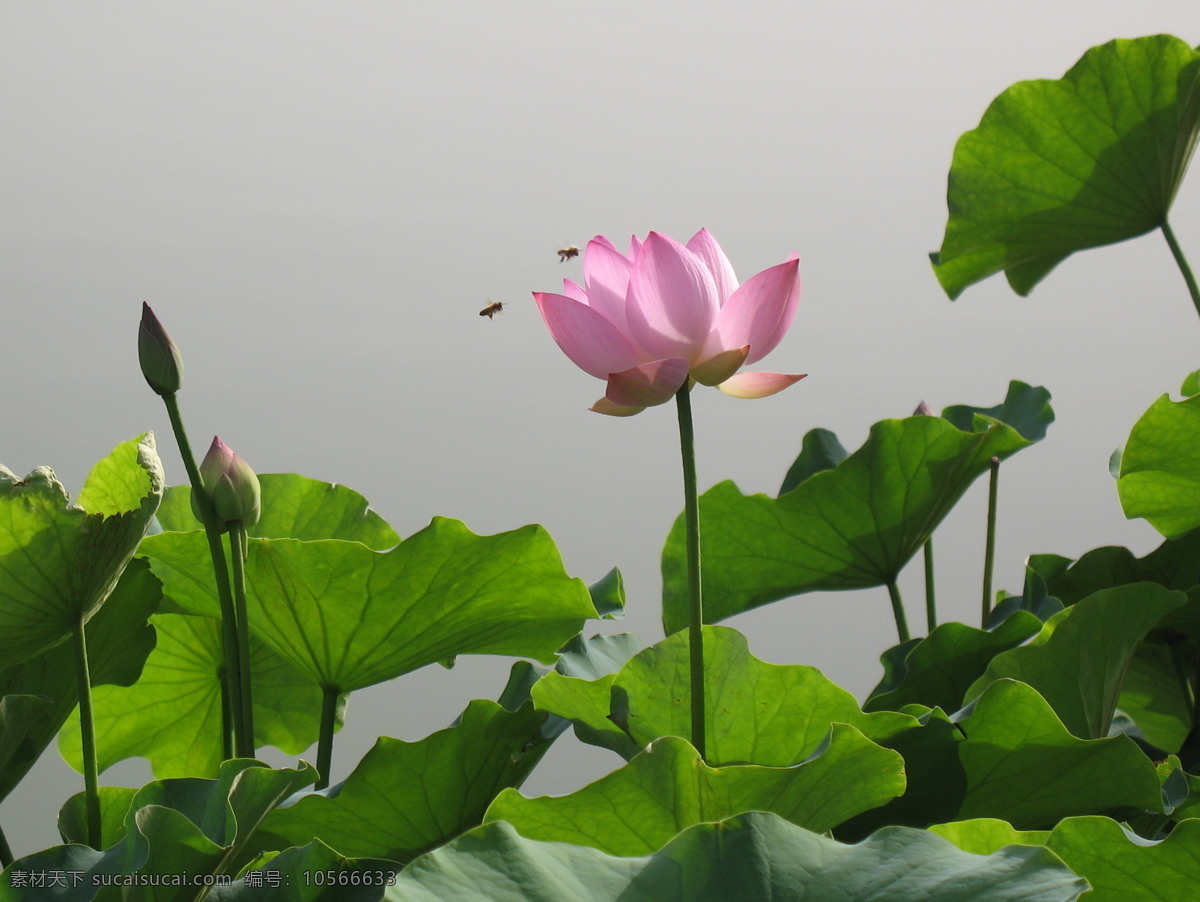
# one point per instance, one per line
(325, 738)
(898, 611)
(237, 553)
(989, 554)
(930, 601)
(1181, 261)
(231, 692)
(6, 855)
(87, 734)
(691, 508)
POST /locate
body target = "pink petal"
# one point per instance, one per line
(606, 280)
(758, 385)
(705, 246)
(672, 299)
(594, 344)
(759, 312)
(574, 292)
(720, 367)
(647, 384)
(607, 407)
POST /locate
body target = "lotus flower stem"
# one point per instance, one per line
(930, 602)
(237, 552)
(898, 610)
(6, 855)
(87, 734)
(989, 553)
(1177, 252)
(325, 739)
(231, 690)
(691, 507)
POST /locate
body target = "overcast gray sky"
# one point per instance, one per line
(317, 199)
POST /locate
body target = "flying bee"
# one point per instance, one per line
(567, 253)
(491, 309)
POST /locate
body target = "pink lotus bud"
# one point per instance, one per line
(232, 487)
(923, 410)
(161, 364)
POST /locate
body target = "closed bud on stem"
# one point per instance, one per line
(231, 485)
(161, 364)
(923, 410)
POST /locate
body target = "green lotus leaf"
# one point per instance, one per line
(1026, 408)
(1118, 865)
(667, 788)
(295, 507)
(350, 617)
(405, 798)
(1155, 697)
(193, 827)
(851, 527)
(1174, 564)
(937, 671)
(608, 595)
(172, 715)
(118, 642)
(751, 856)
(1078, 661)
(1160, 474)
(1024, 766)
(820, 450)
(310, 873)
(1059, 166)
(60, 561)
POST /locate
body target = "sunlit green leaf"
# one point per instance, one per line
(1059, 166)
(1079, 659)
(752, 856)
(295, 507)
(1023, 766)
(667, 788)
(60, 561)
(851, 527)
(349, 616)
(1160, 471)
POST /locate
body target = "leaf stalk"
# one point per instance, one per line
(691, 507)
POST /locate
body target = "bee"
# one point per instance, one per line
(491, 309)
(567, 253)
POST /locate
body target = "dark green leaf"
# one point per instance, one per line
(1025, 408)
(820, 450)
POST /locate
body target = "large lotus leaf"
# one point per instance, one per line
(1160, 472)
(1174, 564)
(172, 715)
(1023, 765)
(1119, 865)
(1026, 408)
(349, 616)
(310, 873)
(1079, 659)
(60, 561)
(295, 507)
(580, 686)
(1059, 166)
(755, 712)
(850, 527)
(820, 450)
(405, 798)
(751, 856)
(667, 788)
(118, 641)
(938, 670)
(193, 827)
(1156, 698)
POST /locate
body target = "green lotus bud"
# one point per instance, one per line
(231, 485)
(161, 364)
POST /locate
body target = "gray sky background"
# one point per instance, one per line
(318, 198)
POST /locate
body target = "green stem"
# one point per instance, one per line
(6, 855)
(231, 690)
(325, 737)
(989, 553)
(1181, 261)
(930, 602)
(691, 508)
(898, 611)
(87, 733)
(237, 552)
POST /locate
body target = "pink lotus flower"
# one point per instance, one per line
(648, 321)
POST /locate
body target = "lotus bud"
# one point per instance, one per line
(161, 364)
(923, 410)
(231, 485)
